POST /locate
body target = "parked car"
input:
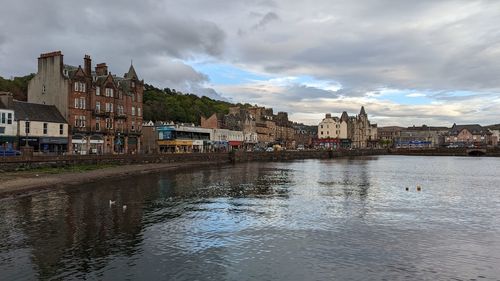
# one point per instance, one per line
(269, 149)
(9, 152)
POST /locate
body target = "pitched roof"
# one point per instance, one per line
(474, 129)
(37, 112)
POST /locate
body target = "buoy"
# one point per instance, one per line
(419, 188)
(407, 189)
(124, 207)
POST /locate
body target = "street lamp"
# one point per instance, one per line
(26, 130)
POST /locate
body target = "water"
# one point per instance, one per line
(346, 219)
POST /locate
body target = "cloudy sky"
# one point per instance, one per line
(407, 62)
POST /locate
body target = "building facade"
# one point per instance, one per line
(104, 111)
(469, 136)
(8, 125)
(355, 131)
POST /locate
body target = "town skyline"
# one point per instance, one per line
(404, 63)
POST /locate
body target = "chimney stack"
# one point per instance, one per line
(101, 69)
(87, 65)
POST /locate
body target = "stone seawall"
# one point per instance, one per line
(16, 163)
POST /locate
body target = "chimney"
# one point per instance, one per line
(328, 115)
(6, 99)
(87, 65)
(53, 60)
(101, 69)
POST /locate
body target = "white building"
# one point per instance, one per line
(329, 127)
(8, 126)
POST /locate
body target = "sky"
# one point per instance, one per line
(408, 62)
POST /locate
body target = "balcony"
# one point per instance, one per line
(121, 116)
(101, 113)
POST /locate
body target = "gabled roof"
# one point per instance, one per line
(37, 112)
(474, 129)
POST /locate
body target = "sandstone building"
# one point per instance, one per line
(104, 111)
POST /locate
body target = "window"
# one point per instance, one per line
(61, 129)
(98, 91)
(82, 103)
(133, 97)
(138, 111)
(43, 89)
(109, 123)
(45, 128)
(82, 120)
(97, 106)
(133, 126)
(109, 92)
(98, 124)
(76, 103)
(133, 110)
(321, 126)
(76, 86)
(9, 118)
(27, 127)
(3, 120)
(82, 87)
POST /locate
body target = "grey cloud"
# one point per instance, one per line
(266, 19)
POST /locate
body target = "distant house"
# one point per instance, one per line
(469, 135)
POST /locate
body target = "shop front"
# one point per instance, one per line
(133, 144)
(56, 145)
(79, 145)
(9, 142)
(220, 146)
(30, 141)
(198, 146)
(175, 146)
(328, 143)
(119, 144)
(235, 145)
(96, 144)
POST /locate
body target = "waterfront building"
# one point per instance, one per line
(8, 125)
(468, 136)
(180, 138)
(104, 111)
(388, 135)
(420, 137)
(38, 126)
(495, 133)
(149, 138)
(329, 127)
(355, 131)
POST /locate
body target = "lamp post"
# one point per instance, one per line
(26, 130)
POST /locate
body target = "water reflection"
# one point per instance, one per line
(315, 219)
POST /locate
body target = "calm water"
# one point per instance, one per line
(348, 219)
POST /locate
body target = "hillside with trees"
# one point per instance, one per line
(175, 106)
(18, 86)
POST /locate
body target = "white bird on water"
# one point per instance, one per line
(124, 208)
(111, 203)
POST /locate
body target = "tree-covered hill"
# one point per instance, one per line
(175, 106)
(17, 86)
